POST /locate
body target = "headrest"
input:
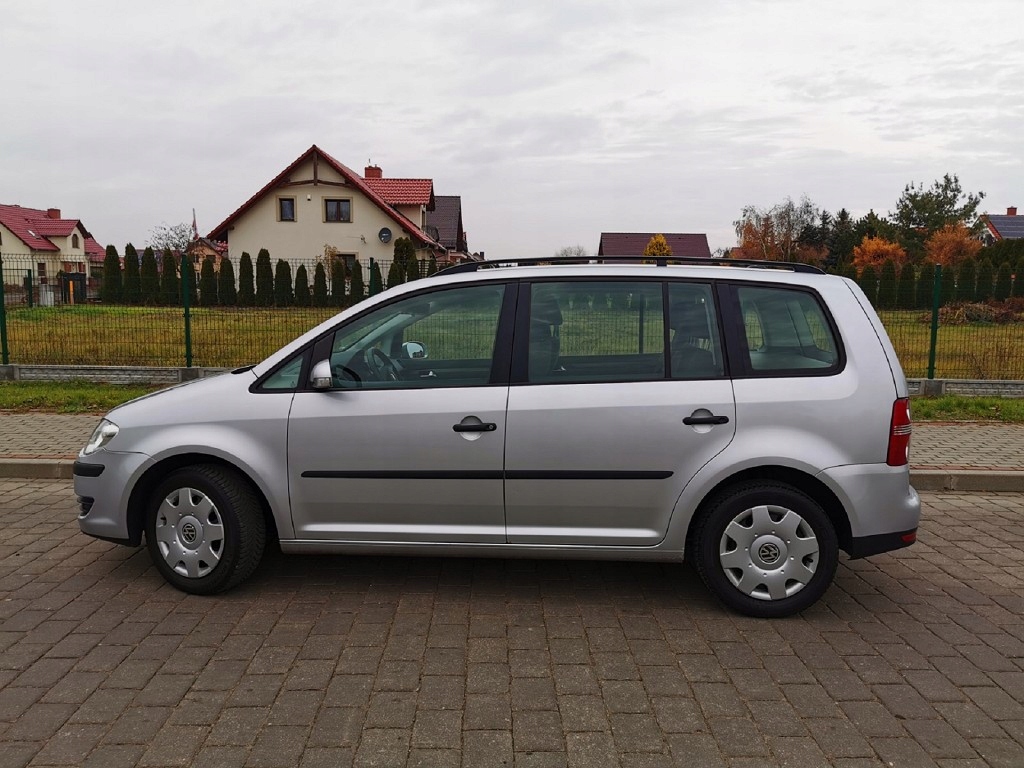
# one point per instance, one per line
(690, 318)
(545, 309)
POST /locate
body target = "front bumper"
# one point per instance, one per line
(104, 482)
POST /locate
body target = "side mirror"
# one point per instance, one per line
(320, 377)
(414, 350)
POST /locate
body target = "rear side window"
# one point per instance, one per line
(787, 332)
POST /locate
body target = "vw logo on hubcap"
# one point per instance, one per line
(768, 552)
(189, 533)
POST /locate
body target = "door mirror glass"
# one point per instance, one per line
(414, 350)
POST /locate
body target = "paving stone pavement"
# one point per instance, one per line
(913, 658)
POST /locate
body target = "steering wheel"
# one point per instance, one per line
(381, 366)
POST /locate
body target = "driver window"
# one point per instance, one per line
(441, 339)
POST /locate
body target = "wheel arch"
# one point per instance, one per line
(152, 477)
(813, 487)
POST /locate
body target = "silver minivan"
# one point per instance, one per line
(751, 417)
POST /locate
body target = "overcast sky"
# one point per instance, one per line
(554, 120)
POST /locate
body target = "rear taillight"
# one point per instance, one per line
(899, 434)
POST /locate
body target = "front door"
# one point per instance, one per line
(409, 444)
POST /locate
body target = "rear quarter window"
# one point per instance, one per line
(787, 332)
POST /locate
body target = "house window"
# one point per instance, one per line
(74, 241)
(41, 272)
(286, 209)
(337, 210)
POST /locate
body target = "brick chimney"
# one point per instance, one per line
(53, 213)
(1011, 211)
(373, 172)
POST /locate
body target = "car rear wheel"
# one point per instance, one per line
(766, 549)
(205, 529)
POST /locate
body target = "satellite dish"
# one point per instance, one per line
(384, 235)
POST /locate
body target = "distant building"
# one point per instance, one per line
(318, 202)
(60, 253)
(634, 243)
(999, 227)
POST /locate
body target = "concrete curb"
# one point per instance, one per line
(36, 469)
(966, 480)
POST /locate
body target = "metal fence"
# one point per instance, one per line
(58, 318)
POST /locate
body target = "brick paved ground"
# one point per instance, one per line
(912, 659)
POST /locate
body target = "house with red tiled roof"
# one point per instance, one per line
(1002, 227)
(318, 203)
(59, 252)
(634, 243)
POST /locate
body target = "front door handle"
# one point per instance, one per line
(693, 420)
(487, 426)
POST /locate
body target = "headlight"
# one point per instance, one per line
(105, 432)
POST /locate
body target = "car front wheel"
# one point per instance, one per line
(766, 549)
(205, 529)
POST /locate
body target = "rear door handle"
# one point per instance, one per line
(693, 420)
(487, 426)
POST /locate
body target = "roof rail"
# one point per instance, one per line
(661, 261)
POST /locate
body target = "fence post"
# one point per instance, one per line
(28, 287)
(369, 281)
(936, 296)
(5, 354)
(186, 267)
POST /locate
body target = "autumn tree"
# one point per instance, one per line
(874, 251)
(774, 233)
(950, 245)
(657, 246)
(921, 212)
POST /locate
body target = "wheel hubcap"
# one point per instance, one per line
(769, 552)
(189, 532)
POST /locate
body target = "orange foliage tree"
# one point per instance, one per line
(873, 251)
(951, 245)
(657, 246)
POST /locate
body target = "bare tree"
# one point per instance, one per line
(572, 252)
(174, 238)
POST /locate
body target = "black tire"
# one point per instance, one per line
(746, 569)
(210, 534)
